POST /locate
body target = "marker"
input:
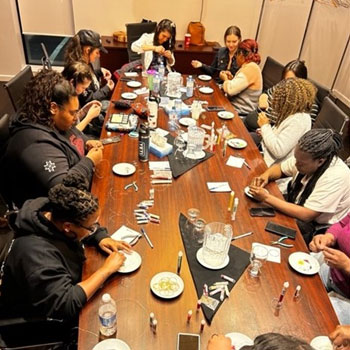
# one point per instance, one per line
(222, 294)
(151, 317)
(179, 262)
(242, 235)
(227, 292)
(297, 292)
(230, 279)
(230, 203)
(216, 291)
(202, 326)
(283, 292)
(189, 315)
(154, 326)
(235, 207)
(205, 290)
(199, 303)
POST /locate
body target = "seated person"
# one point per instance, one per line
(85, 47)
(291, 102)
(293, 69)
(79, 75)
(157, 47)
(225, 58)
(319, 193)
(245, 87)
(44, 145)
(43, 270)
(341, 337)
(335, 271)
(267, 341)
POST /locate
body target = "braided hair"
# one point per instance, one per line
(71, 200)
(292, 96)
(319, 143)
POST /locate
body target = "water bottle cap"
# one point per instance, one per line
(106, 298)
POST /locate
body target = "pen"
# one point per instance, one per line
(242, 235)
(235, 207)
(147, 238)
(247, 165)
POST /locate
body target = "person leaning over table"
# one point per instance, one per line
(245, 87)
(157, 47)
(335, 271)
(43, 270)
(225, 58)
(341, 337)
(79, 75)
(319, 192)
(44, 145)
(293, 69)
(85, 46)
(267, 341)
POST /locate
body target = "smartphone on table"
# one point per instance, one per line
(188, 341)
(262, 212)
(214, 108)
(280, 230)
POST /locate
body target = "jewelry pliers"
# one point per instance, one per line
(280, 242)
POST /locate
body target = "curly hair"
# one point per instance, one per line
(249, 49)
(78, 72)
(71, 200)
(45, 87)
(292, 96)
(169, 26)
(74, 51)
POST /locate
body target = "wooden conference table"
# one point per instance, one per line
(248, 309)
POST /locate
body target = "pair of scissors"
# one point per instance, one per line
(134, 238)
(280, 242)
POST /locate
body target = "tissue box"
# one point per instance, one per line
(160, 152)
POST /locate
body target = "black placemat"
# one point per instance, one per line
(239, 260)
(183, 164)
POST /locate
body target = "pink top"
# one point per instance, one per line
(341, 233)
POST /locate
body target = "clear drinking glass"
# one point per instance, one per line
(193, 214)
(198, 231)
(180, 145)
(258, 256)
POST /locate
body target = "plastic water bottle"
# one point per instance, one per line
(107, 314)
(143, 142)
(161, 70)
(189, 86)
(172, 123)
(178, 107)
(156, 83)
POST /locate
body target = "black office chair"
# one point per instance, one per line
(332, 117)
(271, 73)
(133, 32)
(322, 93)
(15, 87)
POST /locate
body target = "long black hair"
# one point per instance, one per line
(169, 26)
(320, 144)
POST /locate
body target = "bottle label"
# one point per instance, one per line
(108, 321)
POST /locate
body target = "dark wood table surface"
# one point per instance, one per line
(248, 309)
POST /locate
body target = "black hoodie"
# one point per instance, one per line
(38, 157)
(43, 267)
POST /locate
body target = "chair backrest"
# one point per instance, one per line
(4, 129)
(271, 73)
(133, 32)
(322, 93)
(332, 117)
(15, 87)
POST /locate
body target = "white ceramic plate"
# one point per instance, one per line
(225, 115)
(133, 84)
(237, 143)
(199, 155)
(321, 342)
(111, 344)
(131, 263)
(200, 259)
(167, 285)
(304, 263)
(206, 90)
(204, 77)
(187, 121)
(238, 340)
(124, 169)
(246, 191)
(129, 95)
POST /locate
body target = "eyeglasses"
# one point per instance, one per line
(92, 229)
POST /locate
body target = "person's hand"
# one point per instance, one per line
(320, 242)
(196, 64)
(110, 84)
(106, 73)
(113, 262)
(93, 112)
(87, 106)
(110, 245)
(159, 49)
(263, 101)
(219, 342)
(336, 259)
(93, 144)
(95, 154)
(341, 337)
(223, 75)
(259, 193)
(260, 181)
(167, 54)
(263, 119)
(229, 74)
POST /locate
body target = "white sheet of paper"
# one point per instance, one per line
(274, 254)
(159, 165)
(125, 233)
(162, 132)
(235, 162)
(141, 91)
(219, 187)
(131, 74)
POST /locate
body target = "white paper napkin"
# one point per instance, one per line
(125, 234)
(219, 187)
(235, 162)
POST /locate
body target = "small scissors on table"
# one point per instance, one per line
(280, 242)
